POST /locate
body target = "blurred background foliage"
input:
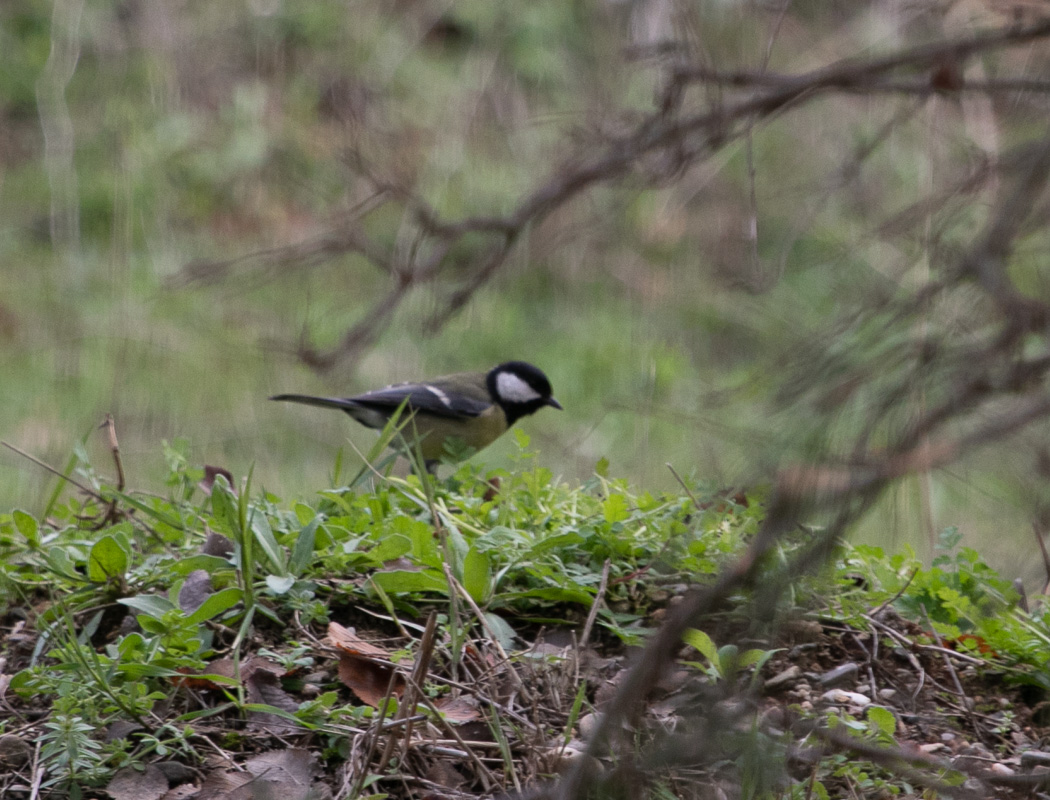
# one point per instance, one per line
(716, 320)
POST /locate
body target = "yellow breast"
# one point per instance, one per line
(477, 433)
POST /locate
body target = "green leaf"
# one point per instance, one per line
(883, 719)
(224, 504)
(303, 551)
(60, 563)
(136, 670)
(152, 604)
(280, 584)
(477, 575)
(701, 642)
(505, 634)
(160, 516)
(424, 545)
(260, 526)
(408, 581)
(615, 508)
(216, 603)
(726, 659)
(209, 564)
(749, 657)
(107, 560)
(390, 547)
(557, 542)
(553, 594)
(27, 525)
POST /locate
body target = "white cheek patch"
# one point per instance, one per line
(440, 395)
(513, 389)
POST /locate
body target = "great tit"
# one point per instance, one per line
(473, 407)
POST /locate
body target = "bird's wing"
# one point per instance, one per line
(436, 398)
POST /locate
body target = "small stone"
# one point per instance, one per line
(14, 753)
(175, 772)
(563, 759)
(1034, 758)
(842, 697)
(947, 736)
(887, 694)
(933, 747)
(588, 724)
(839, 674)
(1001, 769)
(784, 676)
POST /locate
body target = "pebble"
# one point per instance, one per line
(1034, 758)
(587, 724)
(784, 676)
(839, 674)
(842, 697)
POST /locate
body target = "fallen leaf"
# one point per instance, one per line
(264, 687)
(217, 545)
(183, 792)
(367, 679)
(210, 474)
(349, 642)
(131, 784)
(227, 668)
(444, 774)
(457, 709)
(195, 590)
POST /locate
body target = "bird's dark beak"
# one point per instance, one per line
(552, 402)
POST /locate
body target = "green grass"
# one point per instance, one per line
(666, 341)
(122, 599)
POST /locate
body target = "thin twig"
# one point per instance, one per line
(1037, 529)
(966, 701)
(88, 491)
(890, 601)
(599, 598)
(114, 448)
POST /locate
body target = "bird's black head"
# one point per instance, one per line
(519, 389)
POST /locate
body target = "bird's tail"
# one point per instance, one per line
(324, 402)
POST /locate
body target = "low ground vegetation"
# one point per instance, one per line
(392, 637)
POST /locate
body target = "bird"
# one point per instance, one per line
(475, 408)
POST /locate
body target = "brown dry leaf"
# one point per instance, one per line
(183, 792)
(367, 679)
(120, 729)
(217, 545)
(211, 473)
(457, 709)
(227, 668)
(349, 642)
(225, 784)
(400, 564)
(276, 775)
(131, 784)
(14, 753)
(264, 687)
(294, 765)
(444, 774)
(195, 590)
